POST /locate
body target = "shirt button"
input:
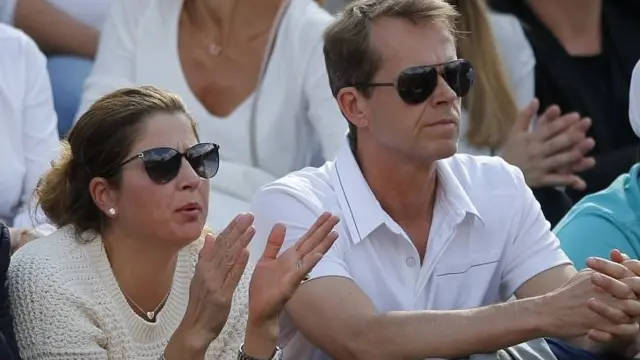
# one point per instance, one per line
(411, 262)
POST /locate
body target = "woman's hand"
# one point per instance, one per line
(554, 151)
(219, 269)
(276, 278)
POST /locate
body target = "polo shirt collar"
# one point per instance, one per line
(363, 213)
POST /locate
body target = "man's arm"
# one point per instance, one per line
(54, 30)
(345, 323)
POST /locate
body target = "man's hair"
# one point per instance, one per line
(348, 54)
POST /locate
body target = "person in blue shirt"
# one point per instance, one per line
(609, 219)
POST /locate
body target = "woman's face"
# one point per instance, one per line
(174, 212)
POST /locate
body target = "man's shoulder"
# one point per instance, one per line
(311, 183)
(486, 174)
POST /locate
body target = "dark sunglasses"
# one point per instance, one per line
(417, 83)
(163, 164)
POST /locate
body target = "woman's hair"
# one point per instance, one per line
(97, 144)
(491, 103)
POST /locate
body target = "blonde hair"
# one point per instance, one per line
(491, 103)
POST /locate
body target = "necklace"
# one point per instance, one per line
(150, 314)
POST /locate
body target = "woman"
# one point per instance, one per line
(550, 152)
(609, 219)
(212, 54)
(128, 275)
(28, 134)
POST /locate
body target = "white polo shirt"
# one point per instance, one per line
(488, 236)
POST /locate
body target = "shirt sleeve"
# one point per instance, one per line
(40, 131)
(297, 211)
(534, 247)
(50, 321)
(114, 63)
(587, 235)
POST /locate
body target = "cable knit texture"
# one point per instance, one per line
(67, 305)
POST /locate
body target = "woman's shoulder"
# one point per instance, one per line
(304, 23)
(511, 40)
(49, 258)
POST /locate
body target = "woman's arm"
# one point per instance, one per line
(54, 30)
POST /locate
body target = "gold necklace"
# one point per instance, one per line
(150, 314)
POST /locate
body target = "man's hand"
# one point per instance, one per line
(626, 270)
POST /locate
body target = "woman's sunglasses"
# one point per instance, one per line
(163, 164)
(417, 83)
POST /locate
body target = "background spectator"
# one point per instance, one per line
(211, 54)
(28, 127)
(67, 31)
(8, 347)
(585, 51)
(609, 219)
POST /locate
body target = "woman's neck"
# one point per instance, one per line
(144, 269)
(577, 24)
(232, 16)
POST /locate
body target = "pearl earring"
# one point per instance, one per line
(112, 211)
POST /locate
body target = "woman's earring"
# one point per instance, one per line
(112, 211)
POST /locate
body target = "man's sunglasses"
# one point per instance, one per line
(163, 163)
(417, 83)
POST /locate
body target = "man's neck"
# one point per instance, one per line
(575, 23)
(144, 269)
(406, 189)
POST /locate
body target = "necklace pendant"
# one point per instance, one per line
(215, 50)
(151, 315)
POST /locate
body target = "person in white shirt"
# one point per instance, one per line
(431, 244)
(28, 130)
(67, 31)
(251, 72)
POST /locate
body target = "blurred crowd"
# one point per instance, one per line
(331, 128)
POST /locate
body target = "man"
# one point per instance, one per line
(431, 244)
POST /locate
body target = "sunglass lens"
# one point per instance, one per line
(416, 84)
(162, 164)
(205, 159)
(459, 76)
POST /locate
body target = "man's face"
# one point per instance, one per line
(427, 131)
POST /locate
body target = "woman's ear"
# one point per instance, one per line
(103, 196)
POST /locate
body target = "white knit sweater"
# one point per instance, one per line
(67, 305)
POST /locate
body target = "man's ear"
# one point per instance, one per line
(353, 106)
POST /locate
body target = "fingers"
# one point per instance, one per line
(235, 274)
(615, 287)
(567, 137)
(237, 226)
(600, 336)
(315, 237)
(584, 164)
(613, 315)
(569, 180)
(553, 124)
(274, 242)
(310, 260)
(523, 121)
(617, 256)
(609, 268)
(224, 259)
(207, 251)
(319, 221)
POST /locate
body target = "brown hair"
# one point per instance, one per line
(491, 103)
(349, 56)
(97, 144)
